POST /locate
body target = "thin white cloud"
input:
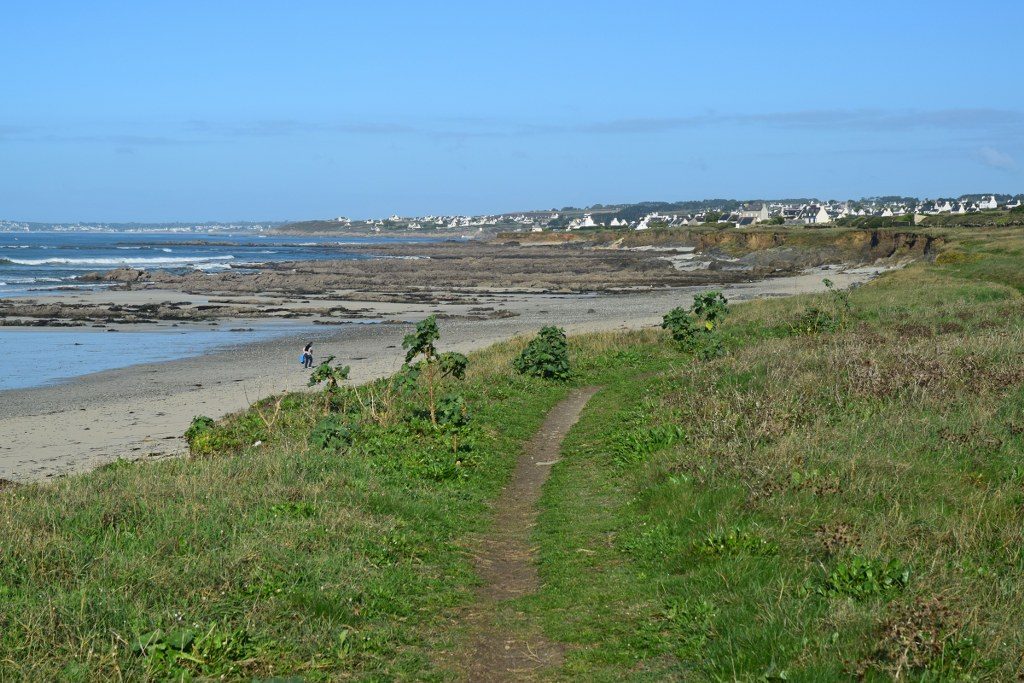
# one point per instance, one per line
(967, 123)
(990, 156)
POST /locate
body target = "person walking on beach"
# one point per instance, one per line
(307, 355)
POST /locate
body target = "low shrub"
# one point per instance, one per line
(546, 356)
(695, 330)
(452, 411)
(206, 437)
(195, 434)
(333, 433)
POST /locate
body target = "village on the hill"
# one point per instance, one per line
(721, 212)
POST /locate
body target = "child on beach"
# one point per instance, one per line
(307, 355)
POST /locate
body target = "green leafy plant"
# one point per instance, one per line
(734, 541)
(432, 366)
(712, 307)
(694, 330)
(197, 433)
(546, 356)
(860, 578)
(331, 378)
(181, 653)
(332, 433)
(452, 411)
(682, 325)
(206, 437)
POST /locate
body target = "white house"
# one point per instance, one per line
(988, 203)
(814, 215)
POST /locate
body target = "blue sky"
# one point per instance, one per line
(267, 110)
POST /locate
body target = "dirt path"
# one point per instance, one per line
(500, 649)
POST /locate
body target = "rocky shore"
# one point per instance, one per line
(475, 279)
(470, 279)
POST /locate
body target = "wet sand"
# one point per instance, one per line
(142, 411)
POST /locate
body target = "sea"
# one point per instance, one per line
(40, 262)
(37, 263)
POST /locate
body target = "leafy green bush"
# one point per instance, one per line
(332, 433)
(452, 411)
(546, 356)
(200, 426)
(694, 330)
(682, 325)
(432, 366)
(861, 578)
(207, 437)
(712, 307)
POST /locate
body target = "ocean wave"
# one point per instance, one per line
(165, 261)
(32, 280)
(68, 285)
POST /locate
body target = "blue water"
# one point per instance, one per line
(41, 262)
(32, 357)
(45, 263)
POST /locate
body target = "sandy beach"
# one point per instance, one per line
(141, 411)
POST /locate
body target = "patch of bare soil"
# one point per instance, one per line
(499, 648)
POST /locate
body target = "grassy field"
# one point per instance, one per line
(839, 496)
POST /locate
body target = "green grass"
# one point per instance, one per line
(842, 505)
(278, 559)
(813, 506)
